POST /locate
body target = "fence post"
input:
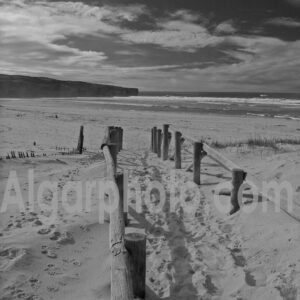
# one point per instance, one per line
(159, 135)
(165, 141)
(135, 244)
(121, 280)
(113, 149)
(178, 150)
(238, 177)
(155, 140)
(198, 148)
(152, 139)
(80, 141)
(120, 184)
(121, 138)
(114, 136)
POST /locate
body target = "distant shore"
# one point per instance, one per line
(260, 107)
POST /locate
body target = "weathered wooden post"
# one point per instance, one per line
(121, 138)
(121, 280)
(114, 137)
(135, 244)
(155, 139)
(159, 138)
(238, 177)
(80, 141)
(120, 184)
(113, 149)
(118, 137)
(178, 150)
(169, 139)
(165, 141)
(198, 148)
(151, 139)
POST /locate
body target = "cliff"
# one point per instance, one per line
(16, 86)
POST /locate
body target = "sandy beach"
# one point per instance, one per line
(198, 253)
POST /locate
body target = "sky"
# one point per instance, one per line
(156, 45)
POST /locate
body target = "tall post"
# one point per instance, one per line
(178, 150)
(113, 149)
(155, 140)
(198, 148)
(80, 141)
(135, 244)
(121, 278)
(120, 184)
(238, 177)
(121, 138)
(159, 136)
(165, 141)
(114, 136)
(152, 139)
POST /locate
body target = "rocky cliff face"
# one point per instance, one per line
(15, 86)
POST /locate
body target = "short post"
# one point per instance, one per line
(80, 141)
(169, 138)
(238, 177)
(165, 141)
(155, 140)
(151, 139)
(159, 138)
(178, 150)
(198, 148)
(135, 243)
(114, 137)
(121, 138)
(120, 184)
(113, 149)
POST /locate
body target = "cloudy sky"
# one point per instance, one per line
(166, 45)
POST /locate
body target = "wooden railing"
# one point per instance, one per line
(200, 151)
(128, 251)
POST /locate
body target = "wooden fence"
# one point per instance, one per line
(128, 251)
(200, 151)
(61, 150)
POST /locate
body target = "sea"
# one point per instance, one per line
(272, 105)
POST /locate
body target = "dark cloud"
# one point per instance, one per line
(188, 45)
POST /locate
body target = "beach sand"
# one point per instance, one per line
(194, 253)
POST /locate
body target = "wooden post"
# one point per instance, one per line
(121, 138)
(152, 139)
(198, 148)
(238, 177)
(169, 139)
(165, 141)
(120, 184)
(159, 136)
(80, 141)
(178, 150)
(113, 135)
(113, 149)
(155, 140)
(135, 244)
(121, 281)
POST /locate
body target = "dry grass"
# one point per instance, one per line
(258, 141)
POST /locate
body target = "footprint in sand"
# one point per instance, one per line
(44, 231)
(255, 278)
(10, 257)
(62, 238)
(238, 257)
(48, 252)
